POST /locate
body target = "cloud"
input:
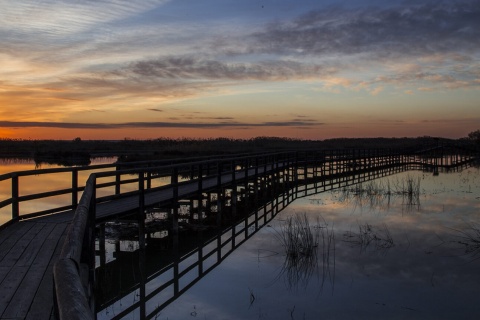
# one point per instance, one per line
(223, 124)
(197, 68)
(376, 91)
(50, 17)
(411, 30)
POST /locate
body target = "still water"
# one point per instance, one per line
(34, 184)
(380, 255)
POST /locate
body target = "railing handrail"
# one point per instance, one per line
(166, 164)
(73, 300)
(16, 197)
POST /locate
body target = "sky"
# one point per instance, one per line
(306, 69)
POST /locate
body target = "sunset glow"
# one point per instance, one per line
(239, 69)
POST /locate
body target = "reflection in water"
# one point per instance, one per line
(368, 236)
(468, 240)
(379, 195)
(302, 242)
(393, 262)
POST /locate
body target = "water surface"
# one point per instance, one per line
(422, 264)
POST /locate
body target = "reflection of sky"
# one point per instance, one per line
(39, 183)
(424, 276)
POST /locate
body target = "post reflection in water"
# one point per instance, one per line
(140, 281)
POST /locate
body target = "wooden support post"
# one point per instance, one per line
(117, 183)
(15, 204)
(101, 245)
(174, 182)
(149, 180)
(74, 187)
(141, 210)
(200, 192)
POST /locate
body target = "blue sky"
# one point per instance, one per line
(183, 68)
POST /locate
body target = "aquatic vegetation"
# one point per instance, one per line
(370, 236)
(301, 242)
(469, 240)
(379, 194)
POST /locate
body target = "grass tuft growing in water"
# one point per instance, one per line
(301, 242)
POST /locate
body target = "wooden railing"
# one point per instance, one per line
(73, 272)
(67, 193)
(19, 182)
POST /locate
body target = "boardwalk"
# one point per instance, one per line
(30, 248)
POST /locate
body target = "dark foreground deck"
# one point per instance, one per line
(28, 251)
(30, 248)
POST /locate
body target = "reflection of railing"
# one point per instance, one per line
(158, 288)
(202, 175)
(20, 182)
(126, 191)
(180, 275)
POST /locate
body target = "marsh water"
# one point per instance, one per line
(379, 252)
(38, 183)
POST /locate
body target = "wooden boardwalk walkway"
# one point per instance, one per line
(30, 248)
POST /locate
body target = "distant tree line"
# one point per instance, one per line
(131, 149)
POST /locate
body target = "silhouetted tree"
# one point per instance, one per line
(474, 136)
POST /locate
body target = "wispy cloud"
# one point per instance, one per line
(195, 68)
(63, 59)
(413, 30)
(195, 125)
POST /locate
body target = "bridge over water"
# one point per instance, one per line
(59, 242)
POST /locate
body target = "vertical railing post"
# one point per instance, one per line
(15, 205)
(90, 238)
(233, 202)
(174, 182)
(200, 191)
(149, 180)
(175, 235)
(117, 183)
(74, 188)
(141, 209)
(141, 239)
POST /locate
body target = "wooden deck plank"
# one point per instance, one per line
(42, 304)
(15, 232)
(9, 286)
(3, 272)
(21, 245)
(31, 252)
(28, 288)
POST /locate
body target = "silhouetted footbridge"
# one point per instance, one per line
(47, 248)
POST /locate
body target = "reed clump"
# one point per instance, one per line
(299, 239)
(374, 194)
(301, 242)
(469, 239)
(377, 237)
